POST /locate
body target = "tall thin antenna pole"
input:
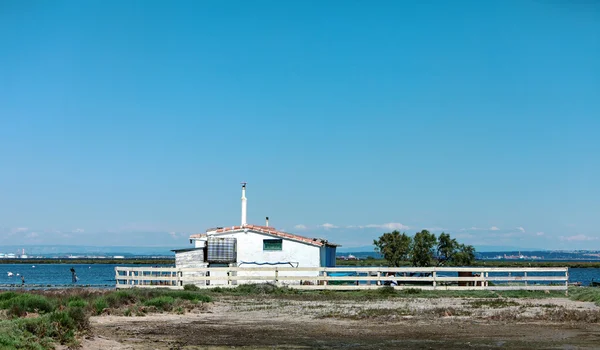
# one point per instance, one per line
(244, 200)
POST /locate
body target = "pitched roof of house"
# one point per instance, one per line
(319, 242)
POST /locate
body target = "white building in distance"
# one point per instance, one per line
(250, 245)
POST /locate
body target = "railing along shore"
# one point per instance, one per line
(349, 278)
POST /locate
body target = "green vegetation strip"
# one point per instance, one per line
(372, 294)
(39, 320)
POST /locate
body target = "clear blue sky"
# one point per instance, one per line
(133, 122)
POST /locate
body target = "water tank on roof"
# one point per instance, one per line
(221, 250)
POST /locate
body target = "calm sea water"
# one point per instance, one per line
(103, 275)
(59, 275)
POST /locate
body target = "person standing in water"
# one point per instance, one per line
(73, 276)
(22, 281)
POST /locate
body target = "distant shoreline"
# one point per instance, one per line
(339, 262)
(485, 263)
(123, 261)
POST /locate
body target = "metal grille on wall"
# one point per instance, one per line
(222, 250)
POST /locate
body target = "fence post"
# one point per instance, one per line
(276, 276)
(482, 279)
(487, 283)
(324, 275)
(434, 274)
(525, 276)
(567, 281)
(378, 278)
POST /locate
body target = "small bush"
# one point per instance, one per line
(387, 291)
(7, 295)
(77, 303)
(412, 291)
(285, 291)
(252, 289)
(162, 303)
(191, 287)
(38, 326)
(16, 310)
(120, 298)
(78, 315)
(188, 295)
(28, 303)
(99, 305)
(13, 336)
(64, 326)
(257, 289)
(57, 325)
(585, 294)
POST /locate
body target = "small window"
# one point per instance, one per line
(272, 244)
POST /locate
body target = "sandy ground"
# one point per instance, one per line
(419, 323)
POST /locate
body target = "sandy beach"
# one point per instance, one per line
(412, 323)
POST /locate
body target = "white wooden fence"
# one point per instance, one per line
(348, 278)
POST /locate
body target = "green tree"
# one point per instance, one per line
(422, 249)
(394, 246)
(446, 248)
(451, 253)
(465, 255)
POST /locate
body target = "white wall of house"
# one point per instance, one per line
(250, 249)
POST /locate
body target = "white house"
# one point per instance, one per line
(249, 245)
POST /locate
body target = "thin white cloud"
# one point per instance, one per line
(578, 238)
(435, 228)
(472, 228)
(521, 229)
(173, 234)
(389, 226)
(300, 227)
(475, 228)
(328, 226)
(386, 226)
(140, 227)
(19, 229)
(78, 230)
(539, 233)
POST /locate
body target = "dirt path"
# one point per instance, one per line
(412, 324)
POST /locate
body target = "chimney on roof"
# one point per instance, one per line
(244, 204)
(267, 222)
